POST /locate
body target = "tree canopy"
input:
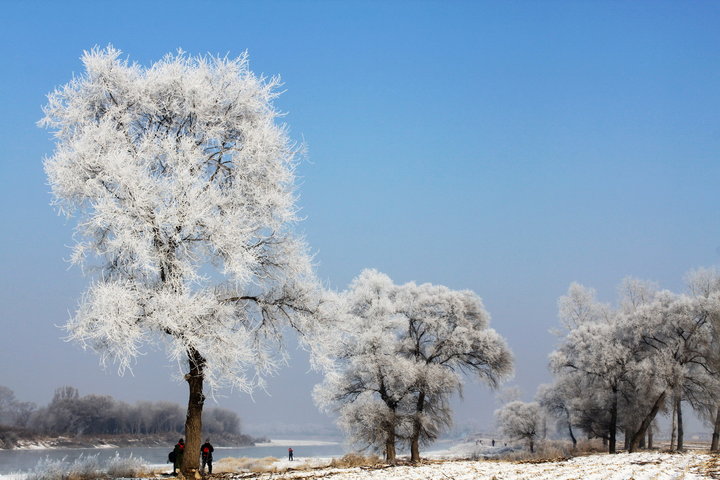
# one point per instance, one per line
(183, 183)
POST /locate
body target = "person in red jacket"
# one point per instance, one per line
(178, 451)
(290, 454)
(206, 452)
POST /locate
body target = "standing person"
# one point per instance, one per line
(290, 454)
(206, 454)
(178, 451)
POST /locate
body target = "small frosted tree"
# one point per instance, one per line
(559, 400)
(183, 185)
(521, 421)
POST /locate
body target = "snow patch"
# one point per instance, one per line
(639, 466)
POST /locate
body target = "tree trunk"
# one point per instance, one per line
(680, 439)
(716, 432)
(673, 431)
(642, 442)
(532, 445)
(646, 422)
(626, 438)
(193, 420)
(613, 422)
(417, 425)
(570, 430)
(650, 437)
(389, 447)
(390, 454)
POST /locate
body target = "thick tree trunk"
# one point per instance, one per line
(613, 422)
(193, 421)
(390, 454)
(642, 442)
(646, 422)
(390, 447)
(417, 425)
(716, 432)
(678, 408)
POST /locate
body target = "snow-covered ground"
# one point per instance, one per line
(452, 464)
(637, 466)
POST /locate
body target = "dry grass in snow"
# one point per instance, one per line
(231, 464)
(637, 466)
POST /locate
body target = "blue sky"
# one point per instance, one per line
(506, 147)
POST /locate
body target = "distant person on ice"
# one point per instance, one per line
(206, 455)
(290, 454)
(177, 458)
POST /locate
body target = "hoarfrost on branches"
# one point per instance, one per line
(616, 368)
(394, 354)
(521, 421)
(182, 182)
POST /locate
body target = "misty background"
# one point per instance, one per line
(509, 148)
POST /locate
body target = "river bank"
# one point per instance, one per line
(22, 461)
(30, 441)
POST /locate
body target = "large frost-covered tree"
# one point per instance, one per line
(592, 352)
(183, 184)
(704, 287)
(367, 378)
(447, 333)
(396, 355)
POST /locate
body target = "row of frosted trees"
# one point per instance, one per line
(183, 182)
(617, 367)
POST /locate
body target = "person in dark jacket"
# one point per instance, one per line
(178, 451)
(290, 454)
(206, 452)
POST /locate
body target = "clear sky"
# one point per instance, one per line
(505, 147)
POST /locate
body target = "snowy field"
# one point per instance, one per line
(452, 464)
(638, 466)
(624, 466)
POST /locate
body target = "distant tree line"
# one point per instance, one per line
(70, 414)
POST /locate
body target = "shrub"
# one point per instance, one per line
(232, 464)
(86, 467)
(125, 466)
(545, 451)
(355, 460)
